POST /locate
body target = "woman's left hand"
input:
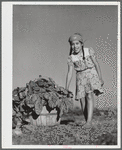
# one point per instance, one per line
(102, 82)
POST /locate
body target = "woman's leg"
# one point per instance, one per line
(83, 103)
(90, 106)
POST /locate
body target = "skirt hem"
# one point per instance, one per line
(95, 91)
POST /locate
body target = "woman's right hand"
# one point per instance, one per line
(102, 82)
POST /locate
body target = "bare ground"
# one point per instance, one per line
(103, 131)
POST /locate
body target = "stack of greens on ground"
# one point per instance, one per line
(41, 92)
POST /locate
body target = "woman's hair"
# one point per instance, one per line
(71, 52)
(78, 37)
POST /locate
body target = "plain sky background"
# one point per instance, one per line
(40, 43)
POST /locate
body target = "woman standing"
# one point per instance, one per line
(88, 75)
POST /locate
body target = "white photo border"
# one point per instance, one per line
(7, 68)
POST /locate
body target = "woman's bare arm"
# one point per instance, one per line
(97, 68)
(69, 76)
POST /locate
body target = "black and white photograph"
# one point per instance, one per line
(61, 75)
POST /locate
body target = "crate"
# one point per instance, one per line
(46, 118)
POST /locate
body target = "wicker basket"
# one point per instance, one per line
(46, 118)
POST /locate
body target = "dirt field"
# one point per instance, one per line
(70, 131)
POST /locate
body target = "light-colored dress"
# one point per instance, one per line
(87, 79)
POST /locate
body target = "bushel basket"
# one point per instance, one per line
(45, 118)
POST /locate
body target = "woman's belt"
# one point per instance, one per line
(84, 69)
